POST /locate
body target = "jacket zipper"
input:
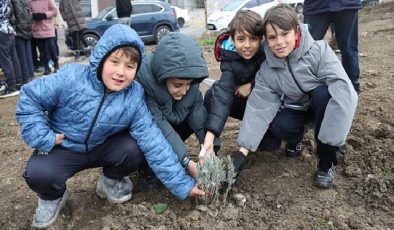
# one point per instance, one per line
(292, 75)
(94, 122)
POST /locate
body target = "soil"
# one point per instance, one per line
(279, 191)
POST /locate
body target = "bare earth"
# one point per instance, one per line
(279, 191)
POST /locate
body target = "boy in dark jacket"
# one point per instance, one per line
(171, 77)
(94, 115)
(240, 56)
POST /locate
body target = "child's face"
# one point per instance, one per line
(280, 42)
(118, 71)
(246, 44)
(178, 87)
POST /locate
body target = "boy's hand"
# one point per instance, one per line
(196, 191)
(59, 138)
(192, 169)
(244, 90)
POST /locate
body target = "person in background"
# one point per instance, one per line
(240, 55)
(94, 115)
(43, 30)
(22, 25)
(124, 10)
(9, 62)
(343, 15)
(72, 14)
(301, 81)
(170, 77)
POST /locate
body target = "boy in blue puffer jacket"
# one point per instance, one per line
(94, 115)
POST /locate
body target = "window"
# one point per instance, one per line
(252, 3)
(146, 8)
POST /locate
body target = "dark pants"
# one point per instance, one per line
(346, 32)
(9, 60)
(47, 174)
(78, 41)
(48, 50)
(25, 57)
(289, 125)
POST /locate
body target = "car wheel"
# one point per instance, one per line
(160, 32)
(181, 22)
(91, 40)
(373, 3)
(299, 8)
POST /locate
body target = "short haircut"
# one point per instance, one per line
(130, 52)
(283, 16)
(246, 20)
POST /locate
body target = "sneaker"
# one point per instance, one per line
(294, 150)
(116, 191)
(9, 93)
(324, 178)
(48, 211)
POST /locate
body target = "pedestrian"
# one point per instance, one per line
(343, 15)
(94, 115)
(301, 81)
(8, 57)
(124, 10)
(170, 77)
(43, 30)
(72, 13)
(240, 55)
(23, 23)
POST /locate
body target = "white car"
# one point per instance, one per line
(220, 19)
(182, 15)
(296, 4)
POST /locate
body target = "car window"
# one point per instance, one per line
(233, 5)
(265, 1)
(252, 3)
(146, 8)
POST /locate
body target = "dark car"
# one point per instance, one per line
(369, 3)
(151, 20)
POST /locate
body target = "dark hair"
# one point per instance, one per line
(246, 20)
(283, 16)
(130, 52)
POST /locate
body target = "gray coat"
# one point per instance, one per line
(313, 64)
(176, 55)
(23, 19)
(72, 13)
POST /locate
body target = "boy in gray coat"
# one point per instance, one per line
(301, 81)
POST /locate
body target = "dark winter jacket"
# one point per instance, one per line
(74, 102)
(312, 7)
(312, 64)
(182, 61)
(23, 19)
(236, 71)
(72, 13)
(123, 8)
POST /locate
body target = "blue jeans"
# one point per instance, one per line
(47, 174)
(289, 125)
(25, 57)
(346, 32)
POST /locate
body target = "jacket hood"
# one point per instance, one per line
(178, 55)
(305, 45)
(114, 37)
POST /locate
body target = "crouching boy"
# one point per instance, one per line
(94, 115)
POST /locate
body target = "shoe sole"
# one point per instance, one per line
(51, 221)
(322, 184)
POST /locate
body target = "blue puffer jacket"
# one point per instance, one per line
(312, 7)
(74, 102)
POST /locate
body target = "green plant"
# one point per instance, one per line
(321, 224)
(216, 175)
(207, 41)
(160, 208)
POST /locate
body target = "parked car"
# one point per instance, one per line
(220, 19)
(151, 20)
(298, 5)
(182, 15)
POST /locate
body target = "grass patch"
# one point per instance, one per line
(208, 41)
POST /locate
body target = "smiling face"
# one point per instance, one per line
(280, 42)
(246, 44)
(118, 71)
(178, 87)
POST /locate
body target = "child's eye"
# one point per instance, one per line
(114, 61)
(131, 66)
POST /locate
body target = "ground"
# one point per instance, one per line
(279, 191)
